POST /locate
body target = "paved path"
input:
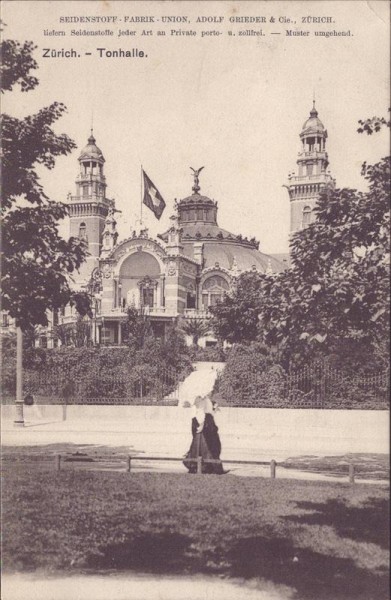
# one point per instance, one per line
(133, 586)
(65, 436)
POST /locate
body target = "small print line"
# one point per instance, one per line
(274, 33)
(88, 53)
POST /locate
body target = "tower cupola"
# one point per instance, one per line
(91, 180)
(312, 177)
(313, 134)
(197, 208)
(91, 151)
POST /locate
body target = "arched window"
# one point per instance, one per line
(82, 231)
(213, 290)
(306, 216)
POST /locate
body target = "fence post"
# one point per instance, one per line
(58, 462)
(351, 473)
(273, 469)
(129, 464)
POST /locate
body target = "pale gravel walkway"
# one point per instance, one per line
(114, 434)
(134, 586)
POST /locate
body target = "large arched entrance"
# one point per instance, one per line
(140, 281)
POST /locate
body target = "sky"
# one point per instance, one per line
(233, 104)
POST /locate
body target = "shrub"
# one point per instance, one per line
(91, 372)
(209, 354)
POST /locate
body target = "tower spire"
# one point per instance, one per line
(313, 112)
(91, 139)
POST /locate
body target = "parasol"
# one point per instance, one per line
(197, 384)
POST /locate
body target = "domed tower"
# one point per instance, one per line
(89, 208)
(197, 209)
(209, 245)
(313, 176)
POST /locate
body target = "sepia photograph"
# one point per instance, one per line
(195, 268)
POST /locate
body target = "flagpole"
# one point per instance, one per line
(141, 199)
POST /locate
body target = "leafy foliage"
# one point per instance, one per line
(37, 262)
(195, 328)
(76, 334)
(235, 319)
(373, 125)
(15, 65)
(336, 294)
(81, 372)
(209, 353)
(252, 377)
(137, 328)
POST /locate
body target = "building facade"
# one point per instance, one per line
(182, 272)
(186, 269)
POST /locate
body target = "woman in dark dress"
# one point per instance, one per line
(206, 441)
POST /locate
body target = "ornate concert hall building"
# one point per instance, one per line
(187, 268)
(184, 271)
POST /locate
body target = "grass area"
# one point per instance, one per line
(326, 540)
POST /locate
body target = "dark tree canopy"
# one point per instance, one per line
(235, 319)
(38, 262)
(16, 63)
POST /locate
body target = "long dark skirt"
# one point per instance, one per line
(205, 444)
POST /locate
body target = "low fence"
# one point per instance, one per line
(316, 385)
(138, 386)
(126, 463)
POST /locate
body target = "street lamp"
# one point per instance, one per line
(19, 417)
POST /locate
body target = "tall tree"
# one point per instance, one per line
(38, 262)
(235, 319)
(336, 294)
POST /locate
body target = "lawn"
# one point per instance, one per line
(326, 540)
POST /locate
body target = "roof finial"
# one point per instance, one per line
(91, 139)
(196, 188)
(314, 112)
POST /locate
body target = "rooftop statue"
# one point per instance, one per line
(196, 188)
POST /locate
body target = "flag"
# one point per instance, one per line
(152, 197)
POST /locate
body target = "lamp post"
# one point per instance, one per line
(19, 417)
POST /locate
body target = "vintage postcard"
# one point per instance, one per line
(190, 143)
